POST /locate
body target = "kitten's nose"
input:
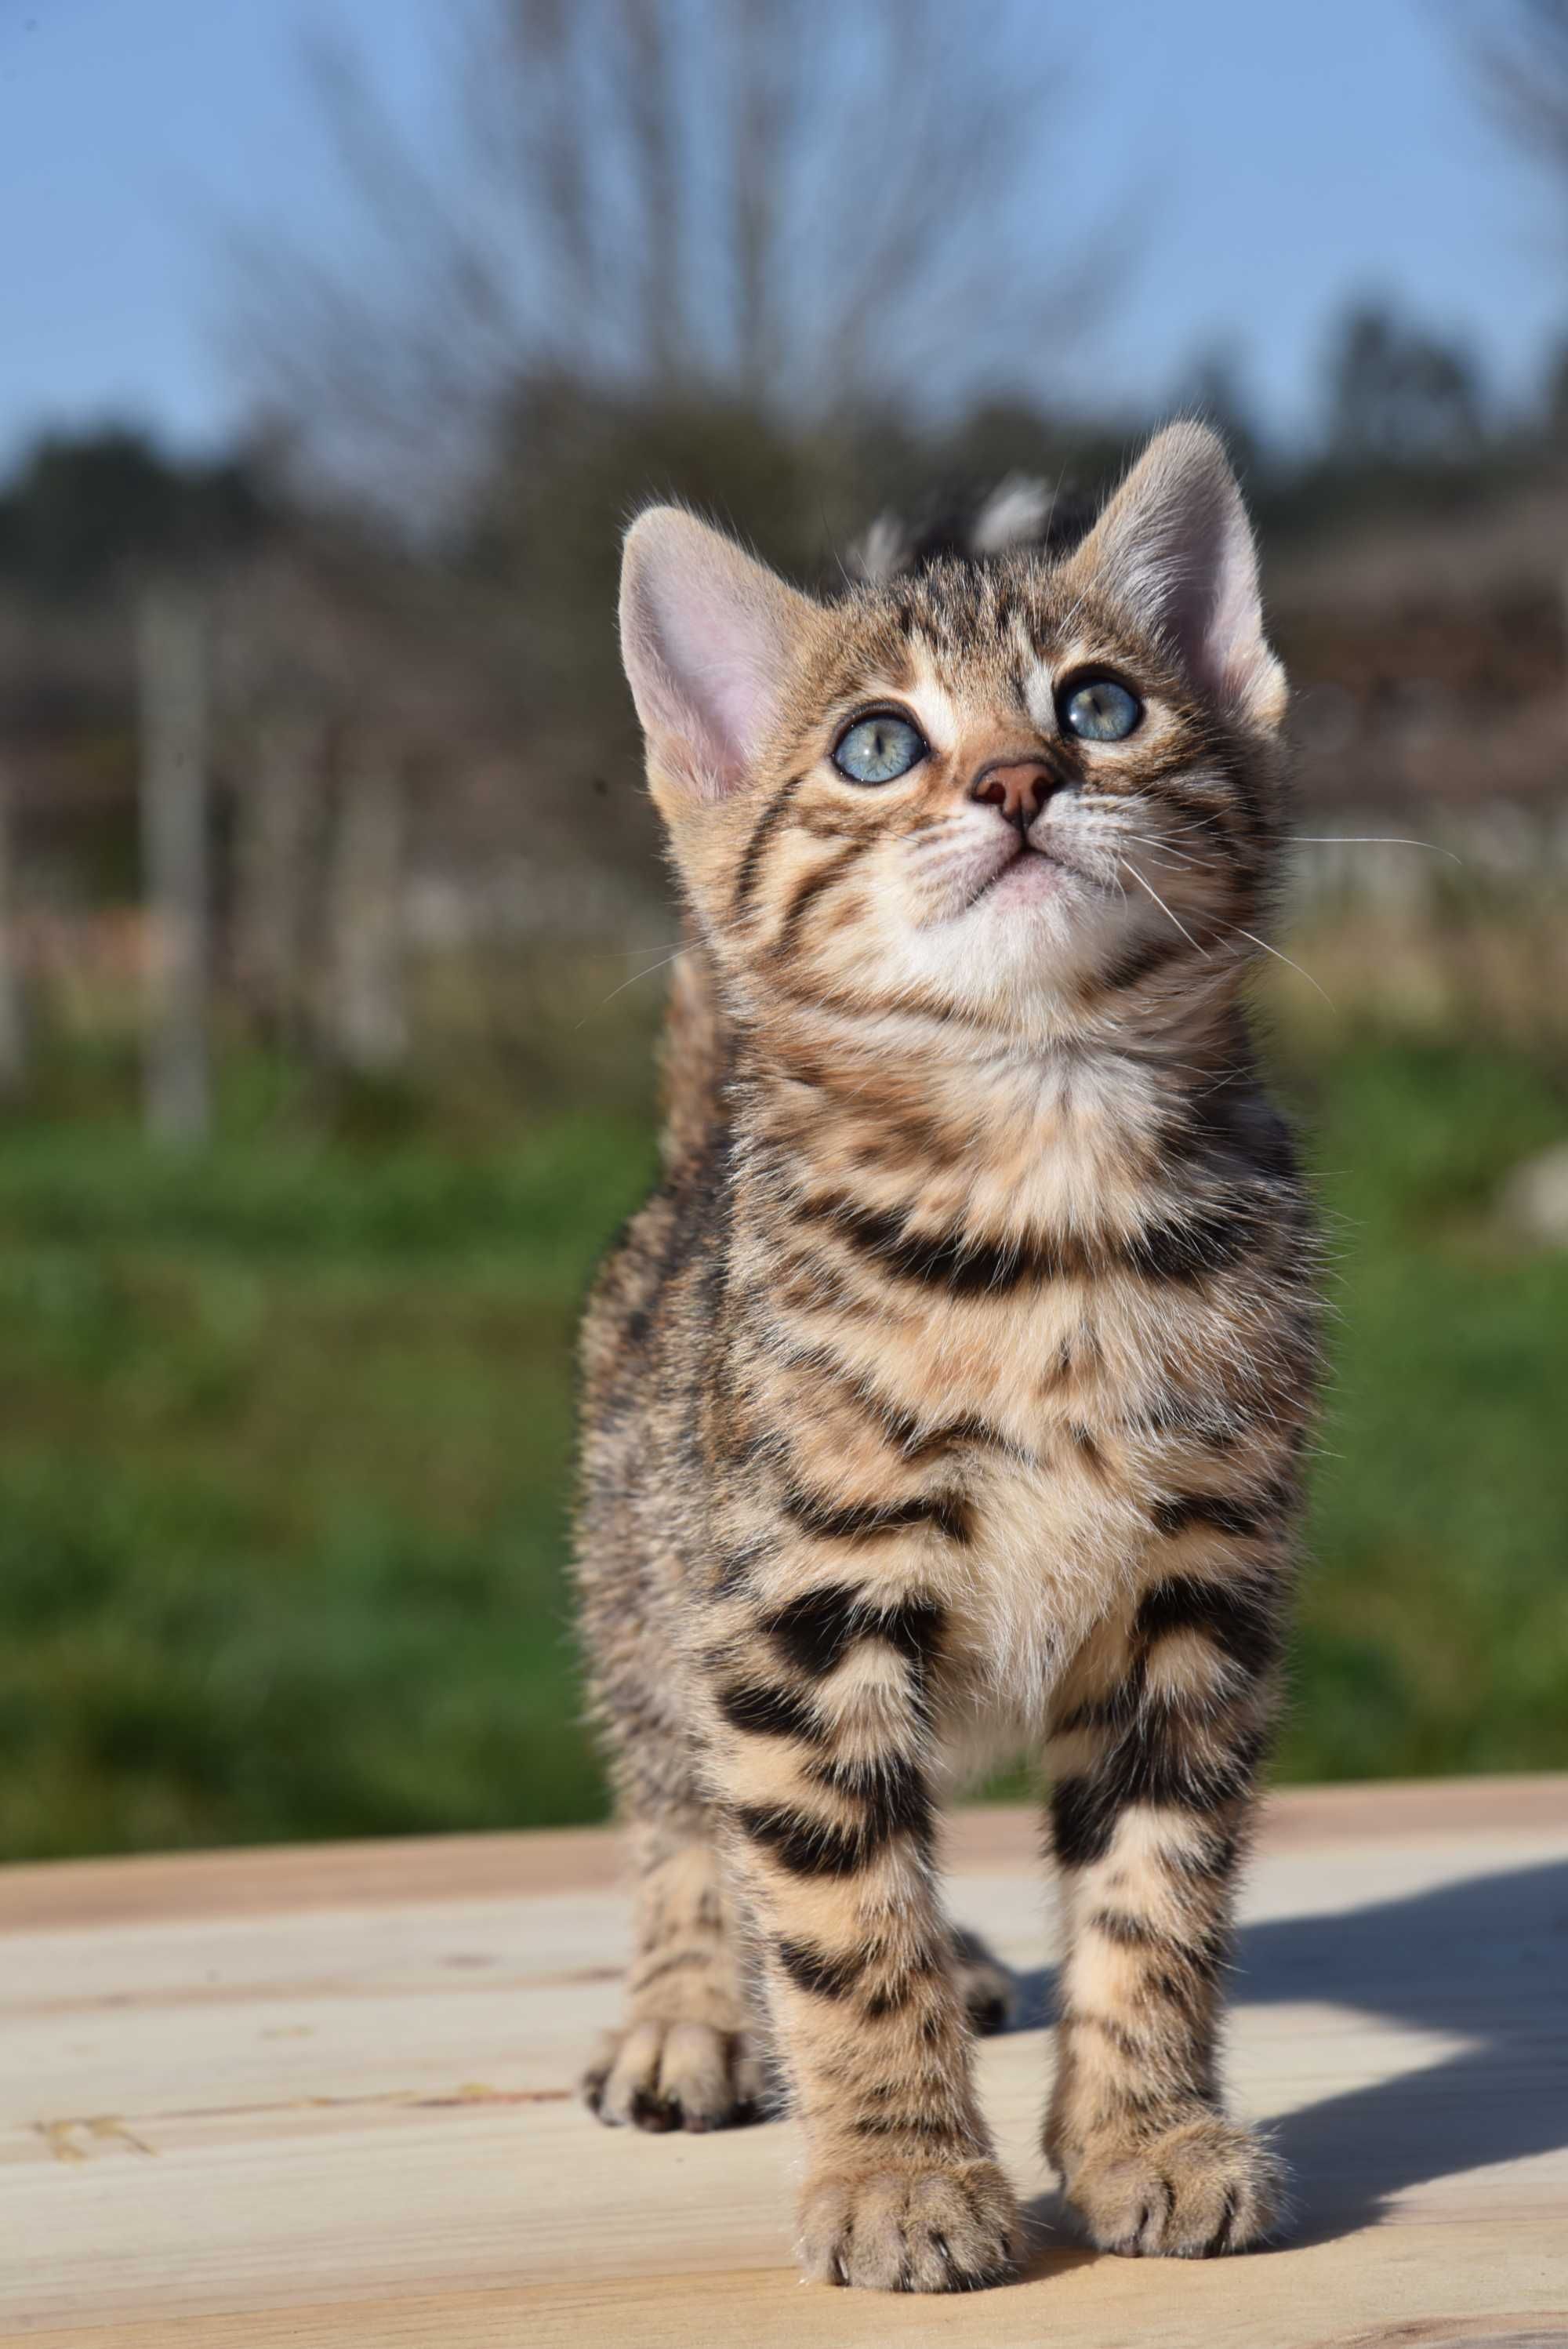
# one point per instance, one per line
(1019, 787)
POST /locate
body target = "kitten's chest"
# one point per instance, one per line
(1057, 1375)
(1053, 1546)
(1032, 1410)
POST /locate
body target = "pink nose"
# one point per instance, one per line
(1019, 787)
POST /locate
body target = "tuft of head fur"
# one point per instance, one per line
(1022, 512)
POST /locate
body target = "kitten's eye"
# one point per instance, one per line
(878, 750)
(1102, 710)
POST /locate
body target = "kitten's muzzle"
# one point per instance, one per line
(1019, 787)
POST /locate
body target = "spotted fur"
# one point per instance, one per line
(950, 1393)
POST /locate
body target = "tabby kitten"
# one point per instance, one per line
(950, 1391)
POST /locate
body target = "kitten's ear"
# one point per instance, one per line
(1175, 547)
(707, 635)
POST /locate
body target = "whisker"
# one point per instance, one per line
(636, 975)
(1373, 840)
(1165, 909)
(1288, 964)
(1144, 839)
(648, 969)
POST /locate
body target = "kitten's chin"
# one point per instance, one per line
(1039, 910)
(1033, 937)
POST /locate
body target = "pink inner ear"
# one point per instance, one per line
(1176, 546)
(709, 647)
(707, 635)
(1211, 592)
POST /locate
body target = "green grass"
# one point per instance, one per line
(1434, 1631)
(284, 1454)
(284, 1467)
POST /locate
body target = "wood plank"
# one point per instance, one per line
(396, 1870)
(324, 2096)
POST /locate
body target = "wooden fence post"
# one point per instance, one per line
(13, 1014)
(365, 1015)
(171, 655)
(277, 894)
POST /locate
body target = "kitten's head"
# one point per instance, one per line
(1015, 795)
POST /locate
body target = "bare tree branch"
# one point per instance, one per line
(1520, 50)
(807, 207)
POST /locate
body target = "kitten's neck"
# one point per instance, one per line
(1169, 1050)
(914, 1115)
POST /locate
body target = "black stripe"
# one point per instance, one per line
(915, 1439)
(1169, 1250)
(1177, 1414)
(1147, 1767)
(805, 1846)
(1115, 1712)
(760, 1709)
(895, 1995)
(807, 891)
(916, 1443)
(1203, 1956)
(1242, 1518)
(1237, 1126)
(1127, 1932)
(893, 1792)
(815, 1970)
(951, 1260)
(766, 824)
(861, 1520)
(1116, 2035)
(1239, 1620)
(816, 1631)
(956, 1261)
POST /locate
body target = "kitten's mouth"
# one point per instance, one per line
(1044, 861)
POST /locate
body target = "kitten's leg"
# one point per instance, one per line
(1156, 1739)
(821, 1734)
(687, 2056)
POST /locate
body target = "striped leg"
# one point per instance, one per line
(824, 1727)
(685, 2057)
(1155, 1744)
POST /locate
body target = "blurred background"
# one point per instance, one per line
(340, 342)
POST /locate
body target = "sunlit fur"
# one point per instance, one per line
(949, 1394)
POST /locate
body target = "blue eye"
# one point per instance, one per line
(1100, 710)
(878, 750)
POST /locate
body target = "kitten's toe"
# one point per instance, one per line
(660, 2076)
(909, 2229)
(1202, 2188)
(988, 1990)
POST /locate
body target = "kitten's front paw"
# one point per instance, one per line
(674, 2076)
(1204, 2188)
(909, 2229)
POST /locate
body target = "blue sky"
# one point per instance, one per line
(1293, 155)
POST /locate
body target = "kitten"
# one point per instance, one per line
(951, 1389)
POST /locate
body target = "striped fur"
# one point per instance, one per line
(950, 1393)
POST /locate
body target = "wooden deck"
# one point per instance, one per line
(318, 2098)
